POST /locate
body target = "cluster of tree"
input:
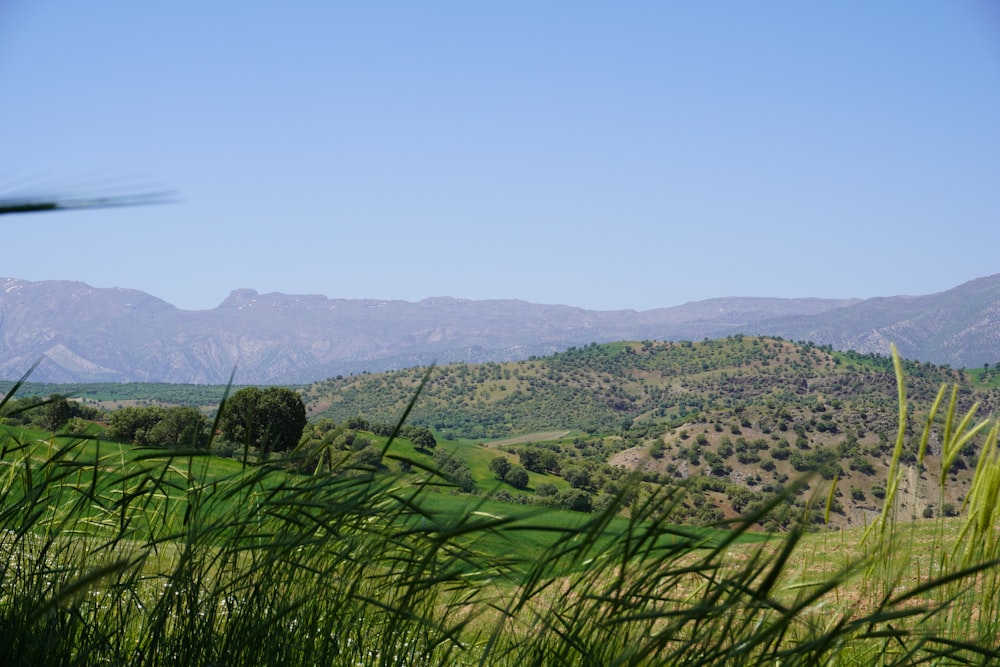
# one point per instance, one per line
(540, 459)
(420, 436)
(989, 372)
(585, 478)
(333, 447)
(506, 471)
(158, 426)
(576, 500)
(454, 470)
(52, 413)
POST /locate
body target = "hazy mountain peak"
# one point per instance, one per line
(239, 297)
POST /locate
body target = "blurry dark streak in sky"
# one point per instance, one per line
(40, 204)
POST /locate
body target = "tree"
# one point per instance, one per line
(369, 457)
(179, 427)
(546, 489)
(421, 437)
(55, 413)
(517, 477)
(271, 419)
(548, 461)
(500, 467)
(455, 470)
(357, 423)
(578, 478)
(530, 458)
(238, 421)
(575, 499)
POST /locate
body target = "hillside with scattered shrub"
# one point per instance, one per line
(732, 420)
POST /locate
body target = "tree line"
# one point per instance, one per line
(54, 413)
(266, 420)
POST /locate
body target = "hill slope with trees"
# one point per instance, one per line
(733, 419)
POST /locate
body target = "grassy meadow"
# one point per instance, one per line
(117, 555)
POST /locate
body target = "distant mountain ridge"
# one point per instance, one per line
(959, 327)
(88, 334)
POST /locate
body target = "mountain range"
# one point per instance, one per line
(87, 334)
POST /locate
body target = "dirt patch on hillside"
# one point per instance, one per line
(634, 458)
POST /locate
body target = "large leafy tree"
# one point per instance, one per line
(56, 413)
(420, 436)
(269, 419)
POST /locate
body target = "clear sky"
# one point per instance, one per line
(598, 154)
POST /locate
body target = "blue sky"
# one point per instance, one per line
(603, 155)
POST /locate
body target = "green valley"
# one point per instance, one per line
(634, 503)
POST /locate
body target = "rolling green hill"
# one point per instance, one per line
(733, 419)
(622, 386)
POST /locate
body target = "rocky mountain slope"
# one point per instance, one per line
(90, 334)
(960, 326)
